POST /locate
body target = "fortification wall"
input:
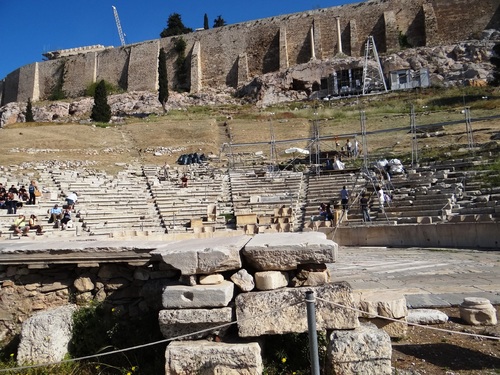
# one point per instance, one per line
(112, 66)
(143, 66)
(227, 55)
(79, 73)
(50, 73)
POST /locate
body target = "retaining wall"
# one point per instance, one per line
(465, 235)
(269, 45)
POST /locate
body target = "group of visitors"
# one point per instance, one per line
(326, 213)
(14, 197)
(59, 216)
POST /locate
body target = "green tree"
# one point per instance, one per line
(219, 22)
(162, 79)
(29, 111)
(101, 111)
(495, 60)
(175, 26)
(205, 22)
(180, 62)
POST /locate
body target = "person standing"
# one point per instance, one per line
(381, 198)
(31, 190)
(364, 202)
(344, 198)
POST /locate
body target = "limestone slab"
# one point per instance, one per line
(284, 310)
(205, 357)
(203, 256)
(198, 296)
(364, 350)
(285, 251)
(426, 316)
(388, 304)
(182, 322)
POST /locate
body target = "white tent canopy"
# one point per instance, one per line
(296, 150)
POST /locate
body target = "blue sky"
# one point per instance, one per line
(29, 28)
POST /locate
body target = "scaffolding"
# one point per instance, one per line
(373, 78)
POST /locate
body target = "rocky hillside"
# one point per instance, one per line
(452, 65)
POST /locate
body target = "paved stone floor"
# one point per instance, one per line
(427, 277)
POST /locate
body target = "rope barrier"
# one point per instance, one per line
(270, 312)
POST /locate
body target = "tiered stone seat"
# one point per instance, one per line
(325, 188)
(265, 201)
(199, 207)
(112, 205)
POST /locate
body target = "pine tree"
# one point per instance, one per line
(175, 26)
(162, 79)
(205, 22)
(101, 111)
(29, 111)
(219, 22)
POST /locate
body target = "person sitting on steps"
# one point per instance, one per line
(33, 224)
(20, 226)
(66, 219)
(56, 214)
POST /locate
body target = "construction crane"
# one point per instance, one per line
(118, 26)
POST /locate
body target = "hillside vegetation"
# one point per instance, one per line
(160, 139)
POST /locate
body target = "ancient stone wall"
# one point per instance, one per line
(79, 73)
(267, 45)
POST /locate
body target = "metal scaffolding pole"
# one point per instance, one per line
(414, 142)
(468, 128)
(364, 144)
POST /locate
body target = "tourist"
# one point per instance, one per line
(32, 189)
(344, 198)
(66, 219)
(364, 202)
(322, 211)
(381, 198)
(56, 215)
(33, 224)
(20, 226)
(329, 213)
(184, 181)
(71, 200)
(23, 194)
(348, 147)
(11, 204)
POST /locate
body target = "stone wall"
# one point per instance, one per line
(465, 235)
(270, 45)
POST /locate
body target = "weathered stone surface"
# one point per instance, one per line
(426, 316)
(45, 336)
(478, 311)
(270, 280)
(174, 323)
(211, 279)
(285, 251)
(198, 296)
(83, 284)
(396, 330)
(203, 256)
(276, 312)
(365, 350)
(383, 303)
(318, 275)
(243, 280)
(205, 357)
